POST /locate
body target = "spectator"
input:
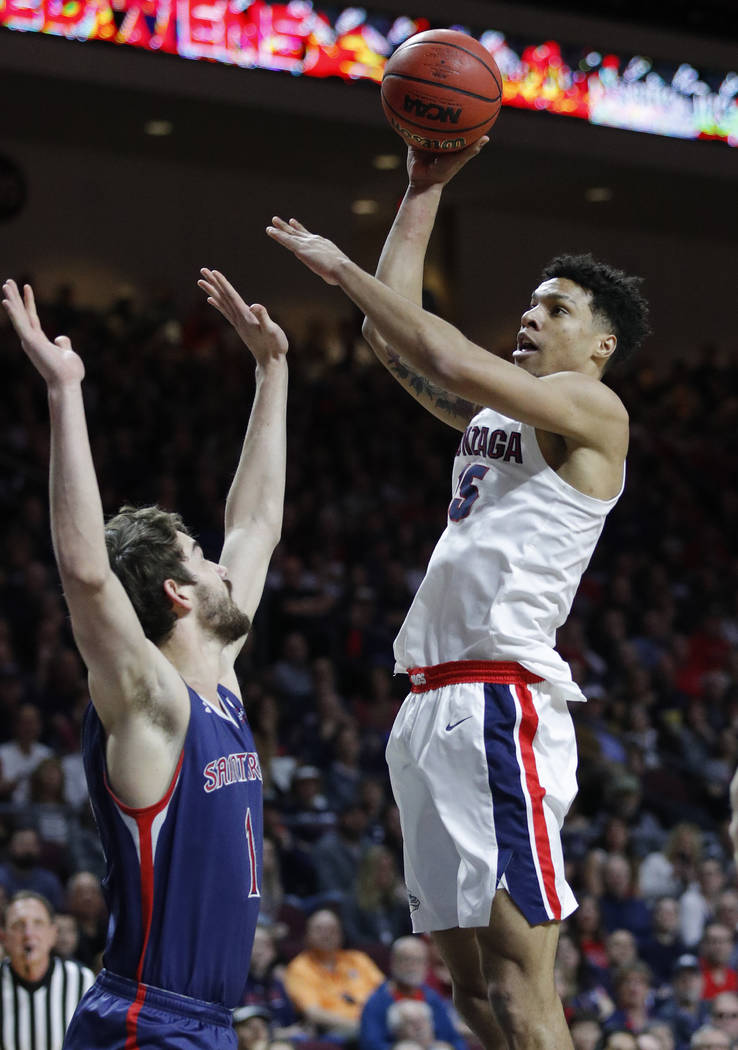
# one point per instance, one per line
(327, 983)
(668, 872)
(86, 903)
(84, 846)
(709, 1038)
(633, 998)
(253, 1027)
(318, 729)
(343, 778)
(618, 1039)
(336, 857)
(724, 1014)
(625, 800)
(376, 912)
(272, 889)
(54, 818)
(620, 908)
(683, 1010)
(698, 902)
(276, 767)
(291, 675)
(663, 1033)
(67, 936)
(408, 968)
(412, 1019)
(373, 800)
(307, 813)
(586, 928)
(23, 870)
(726, 912)
(20, 756)
(293, 865)
(664, 945)
(647, 1041)
(622, 950)
(585, 1030)
(577, 982)
(38, 992)
(264, 984)
(716, 949)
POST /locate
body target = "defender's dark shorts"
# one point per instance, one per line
(118, 1014)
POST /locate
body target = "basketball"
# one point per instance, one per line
(441, 90)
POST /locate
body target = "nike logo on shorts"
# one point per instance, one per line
(450, 726)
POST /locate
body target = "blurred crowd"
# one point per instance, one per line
(650, 959)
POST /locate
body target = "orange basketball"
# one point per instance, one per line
(441, 90)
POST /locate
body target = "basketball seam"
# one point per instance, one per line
(447, 43)
(434, 83)
(440, 132)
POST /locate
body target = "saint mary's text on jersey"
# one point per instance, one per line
(231, 769)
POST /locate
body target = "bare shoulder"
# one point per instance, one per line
(589, 390)
(602, 416)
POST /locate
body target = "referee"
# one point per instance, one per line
(38, 991)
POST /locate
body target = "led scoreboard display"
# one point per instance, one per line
(592, 84)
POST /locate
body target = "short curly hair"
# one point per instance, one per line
(144, 551)
(616, 297)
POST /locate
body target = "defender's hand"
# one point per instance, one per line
(317, 253)
(262, 336)
(57, 362)
(430, 169)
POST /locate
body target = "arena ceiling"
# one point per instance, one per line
(93, 99)
(711, 18)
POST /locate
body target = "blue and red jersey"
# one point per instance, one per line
(183, 875)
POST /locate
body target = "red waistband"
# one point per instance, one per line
(501, 672)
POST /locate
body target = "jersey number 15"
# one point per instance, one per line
(467, 492)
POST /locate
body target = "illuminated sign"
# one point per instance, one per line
(624, 91)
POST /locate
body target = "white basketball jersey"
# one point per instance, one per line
(504, 573)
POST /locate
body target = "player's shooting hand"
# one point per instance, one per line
(429, 169)
(262, 336)
(57, 362)
(317, 253)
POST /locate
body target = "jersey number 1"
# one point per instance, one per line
(254, 887)
(468, 493)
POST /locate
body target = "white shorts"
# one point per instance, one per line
(482, 759)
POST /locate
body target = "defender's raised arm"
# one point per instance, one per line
(254, 507)
(110, 638)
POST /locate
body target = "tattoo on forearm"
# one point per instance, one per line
(418, 384)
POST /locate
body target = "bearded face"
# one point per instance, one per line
(218, 614)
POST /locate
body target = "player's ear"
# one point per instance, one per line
(606, 347)
(179, 595)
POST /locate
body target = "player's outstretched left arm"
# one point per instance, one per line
(569, 404)
(255, 503)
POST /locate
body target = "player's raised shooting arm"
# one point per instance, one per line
(255, 502)
(401, 266)
(122, 663)
(576, 407)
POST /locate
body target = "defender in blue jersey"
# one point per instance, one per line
(173, 775)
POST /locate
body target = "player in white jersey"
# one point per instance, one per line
(482, 755)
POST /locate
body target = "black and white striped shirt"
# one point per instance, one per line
(35, 1016)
